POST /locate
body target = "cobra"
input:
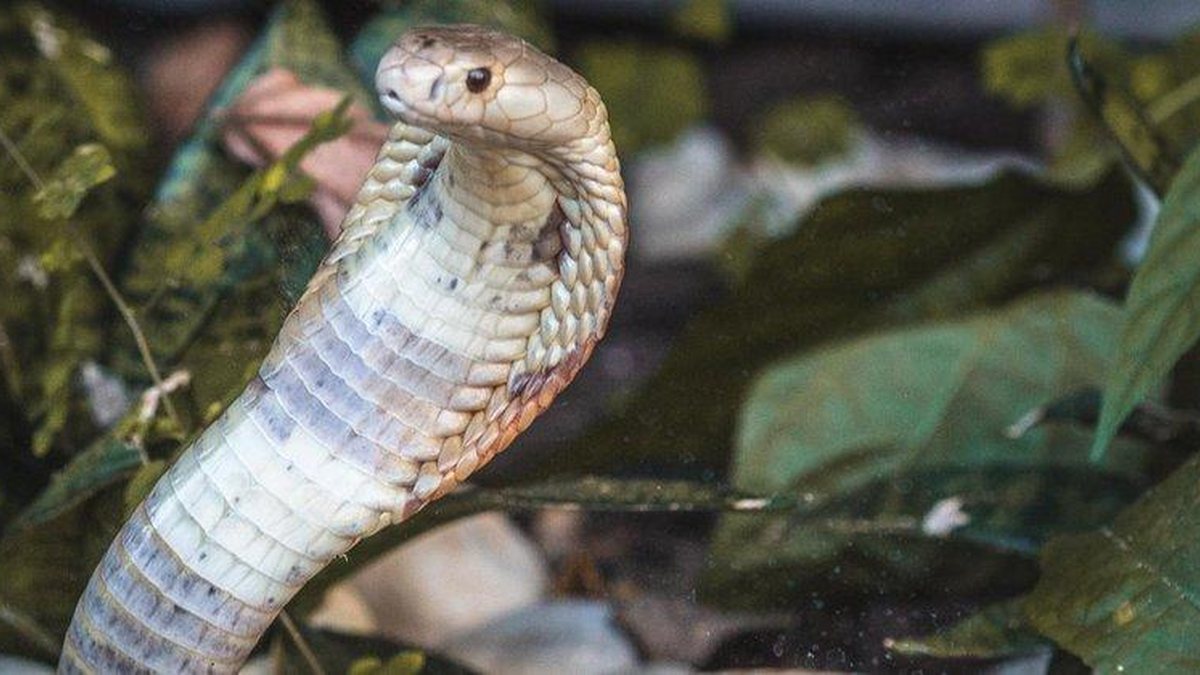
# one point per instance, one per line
(472, 279)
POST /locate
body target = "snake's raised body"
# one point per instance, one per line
(473, 277)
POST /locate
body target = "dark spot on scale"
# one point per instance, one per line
(549, 239)
(211, 591)
(426, 41)
(203, 555)
(377, 317)
(453, 283)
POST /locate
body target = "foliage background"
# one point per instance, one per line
(982, 351)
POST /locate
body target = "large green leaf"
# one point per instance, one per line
(890, 430)
(1162, 318)
(1126, 598)
(862, 259)
(104, 463)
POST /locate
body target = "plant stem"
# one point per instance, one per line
(110, 288)
(302, 645)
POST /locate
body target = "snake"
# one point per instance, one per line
(475, 273)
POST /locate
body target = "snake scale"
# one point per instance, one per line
(472, 279)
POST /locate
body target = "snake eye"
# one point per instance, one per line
(478, 79)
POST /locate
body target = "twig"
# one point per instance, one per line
(29, 629)
(302, 645)
(97, 269)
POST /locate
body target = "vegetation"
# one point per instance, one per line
(930, 393)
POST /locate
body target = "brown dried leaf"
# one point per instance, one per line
(275, 110)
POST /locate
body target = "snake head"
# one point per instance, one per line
(474, 84)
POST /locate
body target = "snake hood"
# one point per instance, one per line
(474, 274)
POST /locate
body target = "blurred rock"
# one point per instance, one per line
(683, 196)
(182, 69)
(453, 579)
(679, 629)
(344, 610)
(576, 637)
(14, 665)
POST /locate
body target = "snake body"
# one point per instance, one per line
(474, 275)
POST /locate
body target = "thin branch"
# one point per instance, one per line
(98, 270)
(25, 626)
(302, 645)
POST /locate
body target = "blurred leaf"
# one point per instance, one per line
(60, 93)
(996, 631)
(908, 433)
(808, 131)
(90, 73)
(88, 166)
(405, 663)
(1029, 69)
(941, 393)
(519, 17)
(709, 20)
(1126, 122)
(202, 252)
(862, 259)
(105, 462)
(1162, 317)
(343, 653)
(652, 92)
(1124, 598)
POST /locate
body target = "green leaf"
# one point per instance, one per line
(630, 75)
(213, 241)
(105, 462)
(1126, 598)
(709, 20)
(1127, 123)
(1162, 316)
(908, 433)
(945, 390)
(88, 166)
(996, 631)
(863, 259)
(808, 131)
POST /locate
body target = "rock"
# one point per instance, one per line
(345, 611)
(453, 579)
(576, 637)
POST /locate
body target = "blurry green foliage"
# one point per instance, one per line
(863, 259)
(652, 92)
(1124, 598)
(807, 131)
(883, 429)
(69, 113)
(1160, 88)
(88, 166)
(709, 20)
(1162, 318)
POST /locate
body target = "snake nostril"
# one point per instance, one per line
(391, 93)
